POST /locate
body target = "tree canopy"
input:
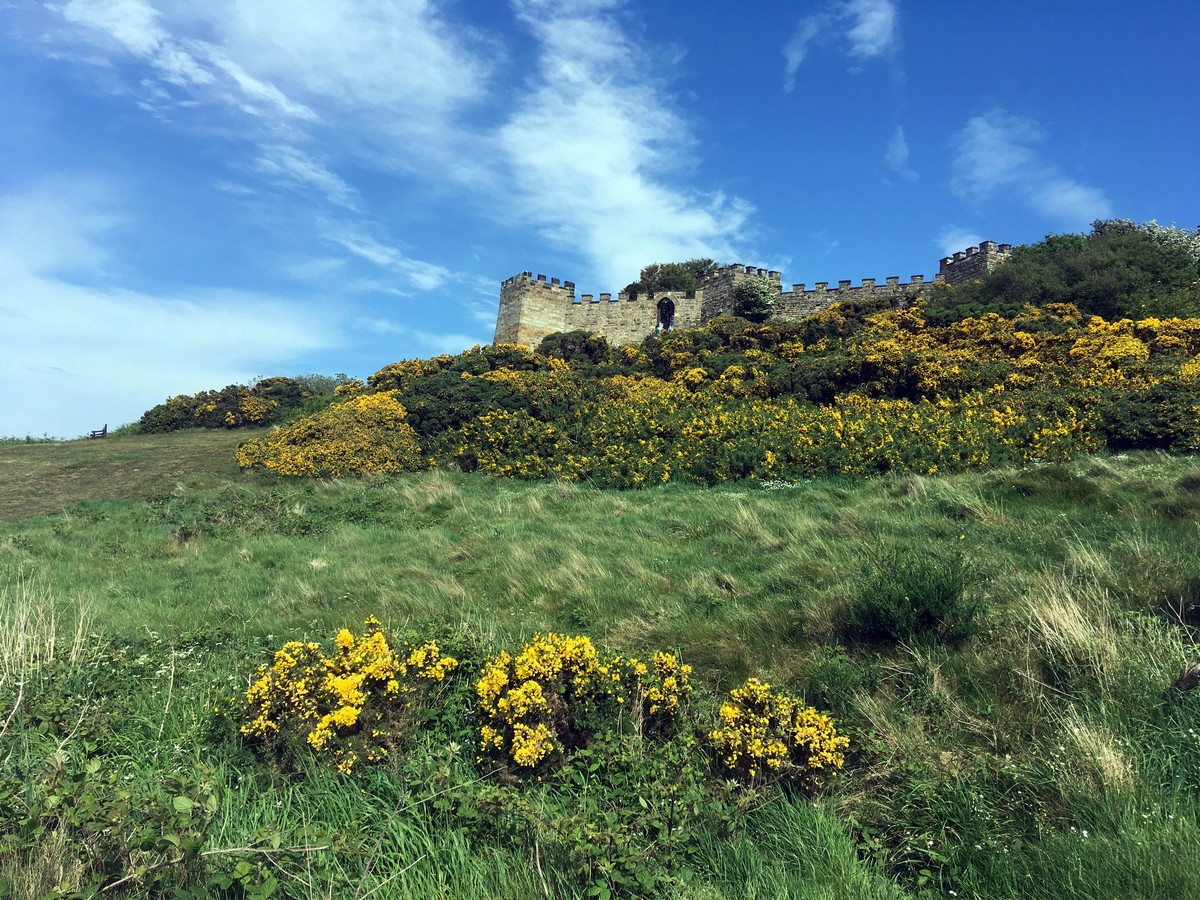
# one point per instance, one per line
(673, 276)
(1122, 269)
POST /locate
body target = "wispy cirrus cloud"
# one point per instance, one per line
(77, 356)
(861, 29)
(795, 51)
(422, 275)
(602, 135)
(388, 88)
(356, 86)
(291, 165)
(897, 155)
(997, 152)
(138, 28)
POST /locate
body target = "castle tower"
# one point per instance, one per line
(532, 308)
(717, 289)
(973, 263)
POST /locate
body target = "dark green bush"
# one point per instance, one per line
(267, 402)
(910, 595)
(579, 348)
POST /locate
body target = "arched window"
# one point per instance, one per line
(666, 314)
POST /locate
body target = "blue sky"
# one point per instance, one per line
(199, 192)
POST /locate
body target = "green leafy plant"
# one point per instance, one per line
(754, 298)
(909, 595)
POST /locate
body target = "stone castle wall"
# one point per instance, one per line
(532, 308)
(974, 262)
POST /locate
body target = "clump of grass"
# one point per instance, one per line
(910, 595)
(29, 630)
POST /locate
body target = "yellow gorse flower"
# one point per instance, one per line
(350, 702)
(528, 703)
(768, 735)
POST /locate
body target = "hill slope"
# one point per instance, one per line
(1028, 751)
(41, 478)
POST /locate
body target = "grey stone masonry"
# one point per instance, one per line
(532, 308)
(974, 262)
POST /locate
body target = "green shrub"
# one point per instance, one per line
(909, 595)
(754, 299)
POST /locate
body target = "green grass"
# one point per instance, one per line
(165, 577)
(39, 477)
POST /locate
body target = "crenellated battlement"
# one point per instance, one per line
(892, 283)
(740, 269)
(527, 278)
(533, 307)
(973, 263)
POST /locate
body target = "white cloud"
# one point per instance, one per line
(593, 146)
(423, 275)
(256, 91)
(995, 152)
(796, 49)
(1061, 198)
(313, 269)
(293, 165)
(875, 30)
(867, 29)
(897, 155)
(181, 62)
(300, 79)
(131, 23)
(952, 239)
(402, 55)
(76, 357)
(49, 231)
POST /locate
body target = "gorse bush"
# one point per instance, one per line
(355, 703)
(558, 690)
(365, 435)
(848, 392)
(769, 736)
(556, 698)
(265, 402)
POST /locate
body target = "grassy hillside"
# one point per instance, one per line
(1016, 742)
(40, 478)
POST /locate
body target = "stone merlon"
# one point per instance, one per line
(532, 308)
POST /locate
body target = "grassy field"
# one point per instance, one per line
(39, 478)
(1027, 751)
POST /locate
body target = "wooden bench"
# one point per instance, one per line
(101, 433)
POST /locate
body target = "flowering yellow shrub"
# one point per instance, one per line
(841, 393)
(768, 736)
(544, 700)
(354, 703)
(364, 435)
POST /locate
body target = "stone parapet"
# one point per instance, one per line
(532, 308)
